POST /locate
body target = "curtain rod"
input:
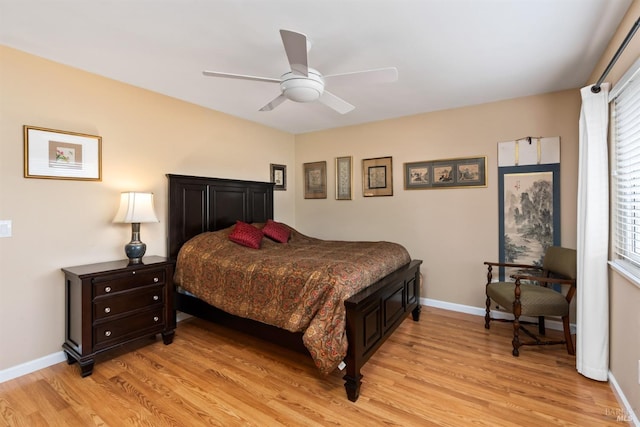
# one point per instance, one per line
(596, 88)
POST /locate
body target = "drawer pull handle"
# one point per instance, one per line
(155, 280)
(107, 289)
(107, 309)
(156, 318)
(156, 297)
(107, 333)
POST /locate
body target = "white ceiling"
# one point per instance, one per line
(449, 53)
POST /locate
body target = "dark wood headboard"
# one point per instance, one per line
(199, 204)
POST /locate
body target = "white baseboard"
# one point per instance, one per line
(556, 325)
(46, 361)
(31, 366)
(626, 414)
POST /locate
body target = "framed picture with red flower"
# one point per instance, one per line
(57, 154)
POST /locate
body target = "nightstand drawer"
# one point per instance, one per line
(124, 302)
(112, 283)
(128, 327)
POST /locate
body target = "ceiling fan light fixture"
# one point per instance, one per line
(302, 89)
(306, 84)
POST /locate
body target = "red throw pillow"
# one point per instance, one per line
(246, 235)
(276, 231)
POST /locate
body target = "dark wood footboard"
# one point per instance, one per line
(373, 315)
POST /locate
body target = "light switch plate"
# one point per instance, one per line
(5, 228)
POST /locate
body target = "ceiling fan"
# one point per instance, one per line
(306, 84)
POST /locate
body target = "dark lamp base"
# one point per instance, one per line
(135, 249)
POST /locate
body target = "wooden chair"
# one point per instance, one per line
(535, 298)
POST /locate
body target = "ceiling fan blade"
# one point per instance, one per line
(295, 45)
(380, 75)
(240, 76)
(338, 104)
(273, 104)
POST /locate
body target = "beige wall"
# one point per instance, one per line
(64, 223)
(624, 350)
(452, 230)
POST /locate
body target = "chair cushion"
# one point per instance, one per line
(535, 300)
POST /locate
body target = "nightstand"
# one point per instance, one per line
(112, 303)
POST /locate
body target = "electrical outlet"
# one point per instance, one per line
(5, 228)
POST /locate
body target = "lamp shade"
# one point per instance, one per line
(135, 208)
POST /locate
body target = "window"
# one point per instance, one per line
(625, 136)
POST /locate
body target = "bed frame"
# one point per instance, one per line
(199, 204)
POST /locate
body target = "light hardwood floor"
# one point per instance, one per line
(445, 370)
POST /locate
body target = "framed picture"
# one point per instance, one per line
(529, 210)
(279, 177)
(315, 180)
(58, 154)
(344, 178)
(447, 173)
(377, 177)
(417, 175)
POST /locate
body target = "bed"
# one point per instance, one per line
(202, 209)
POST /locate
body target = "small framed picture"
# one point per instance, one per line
(417, 175)
(58, 154)
(279, 177)
(443, 173)
(344, 178)
(470, 172)
(315, 180)
(377, 177)
(447, 173)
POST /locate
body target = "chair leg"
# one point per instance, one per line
(541, 328)
(487, 316)
(517, 309)
(567, 335)
(516, 338)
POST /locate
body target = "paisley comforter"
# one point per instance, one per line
(299, 286)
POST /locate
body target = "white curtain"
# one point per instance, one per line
(592, 338)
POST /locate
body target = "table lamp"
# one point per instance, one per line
(135, 208)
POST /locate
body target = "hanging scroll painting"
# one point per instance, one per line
(529, 204)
